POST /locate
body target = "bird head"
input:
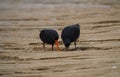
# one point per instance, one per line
(67, 43)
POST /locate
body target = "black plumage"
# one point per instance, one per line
(70, 34)
(49, 36)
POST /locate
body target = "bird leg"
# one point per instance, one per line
(44, 45)
(52, 47)
(75, 44)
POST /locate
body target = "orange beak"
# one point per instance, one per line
(57, 44)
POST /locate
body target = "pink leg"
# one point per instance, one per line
(52, 48)
(44, 45)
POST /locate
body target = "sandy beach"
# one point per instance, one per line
(98, 47)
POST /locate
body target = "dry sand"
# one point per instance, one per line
(98, 48)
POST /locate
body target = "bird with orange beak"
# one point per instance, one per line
(49, 36)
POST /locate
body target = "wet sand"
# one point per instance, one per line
(98, 48)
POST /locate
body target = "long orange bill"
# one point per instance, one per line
(57, 44)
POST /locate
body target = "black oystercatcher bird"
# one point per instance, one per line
(70, 34)
(49, 36)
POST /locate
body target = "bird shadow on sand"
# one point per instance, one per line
(69, 49)
(85, 48)
(75, 49)
(38, 47)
